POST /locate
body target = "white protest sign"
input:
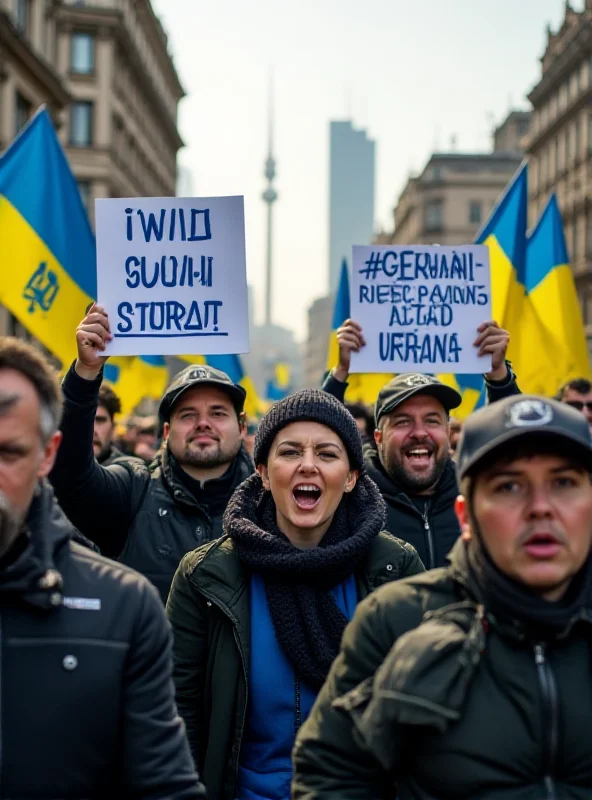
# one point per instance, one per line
(171, 273)
(419, 307)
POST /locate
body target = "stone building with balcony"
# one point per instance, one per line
(451, 198)
(559, 143)
(104, 70)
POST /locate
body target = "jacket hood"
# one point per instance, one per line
(445, 492)
(32, 573)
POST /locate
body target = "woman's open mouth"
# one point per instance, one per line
(307, 495)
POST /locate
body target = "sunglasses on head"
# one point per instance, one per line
(579, 404)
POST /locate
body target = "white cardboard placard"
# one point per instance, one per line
(419, 307)
(171, 273)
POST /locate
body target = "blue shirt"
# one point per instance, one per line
(265, 770)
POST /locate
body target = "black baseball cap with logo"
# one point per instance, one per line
(200, 375)
(518, 417)
(408, 384)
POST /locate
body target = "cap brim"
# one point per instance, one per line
(236, 393)
(448, 396)
(581, 450)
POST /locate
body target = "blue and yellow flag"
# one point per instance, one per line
(504, 234)
(552, 294)
(362, 387)
(47, 258)
(280, 385)
(232, 365)
(134, 378)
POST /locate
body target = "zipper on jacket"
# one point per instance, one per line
(429, 537)
(298, 712)
(226, 611)
(551, 701)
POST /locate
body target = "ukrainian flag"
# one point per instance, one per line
(233, 367)
(134, 378)
(362, 387)
(504, 234)
(552, 294)
(279, 386)
(47, 258)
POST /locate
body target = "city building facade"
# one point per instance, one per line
(320, 317)
(104, 71)
(451, 199)
(559, 143)
(351, 194)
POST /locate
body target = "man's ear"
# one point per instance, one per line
(264, 475)
(50, 451)
(378, 435)
(242, 424)
(460, 508)
(165, 431)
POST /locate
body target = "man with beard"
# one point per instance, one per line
(149, 517)
(411, 460)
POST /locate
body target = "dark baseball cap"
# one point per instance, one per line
(404, 386)
(520, 416)
(200, 375)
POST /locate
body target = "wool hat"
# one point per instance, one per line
(311, 405)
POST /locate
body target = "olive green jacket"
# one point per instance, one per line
(209, 610)
(435, 697)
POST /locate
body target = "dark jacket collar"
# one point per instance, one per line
(444, 493)
(165, 467)
(469, 587)
(33, 575)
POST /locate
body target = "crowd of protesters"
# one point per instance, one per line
(362, 602)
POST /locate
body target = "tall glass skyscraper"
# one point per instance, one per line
(351, 194)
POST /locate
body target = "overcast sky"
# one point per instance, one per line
(414, 73)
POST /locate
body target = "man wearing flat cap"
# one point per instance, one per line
(410, 457)
(475, 680)
(149, 517)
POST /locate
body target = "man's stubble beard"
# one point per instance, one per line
(211, 456)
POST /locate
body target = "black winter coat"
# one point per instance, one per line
(142, 516)
(86, 693)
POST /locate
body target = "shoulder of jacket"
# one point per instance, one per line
(435, 587)
(108, 571)
(210, 554)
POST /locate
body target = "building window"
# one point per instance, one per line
(82, 56)
(22, 112)
(433, 215)
(84, 188)
(81, 124)
(22, 15)
(475, 212)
